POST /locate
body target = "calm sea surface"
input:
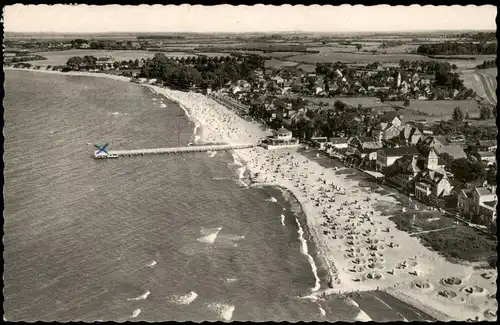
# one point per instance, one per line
(177, 237)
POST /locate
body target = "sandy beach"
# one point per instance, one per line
(360, 248)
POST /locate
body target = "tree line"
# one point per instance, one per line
(89, 62)
(485, 112)
(306, 122)
(260, 47)
(487, 64)
(480, 37)
(201, 72)
(457, 48)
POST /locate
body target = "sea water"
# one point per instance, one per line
(152, 238)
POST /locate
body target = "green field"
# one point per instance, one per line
(367, 47)
(437, 109)
(353, 101)
(351, 57)
(483, 82)
(276, 64)
(442, 234)
(61, 57)
(307, 67)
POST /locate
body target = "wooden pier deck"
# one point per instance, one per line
(176, 150)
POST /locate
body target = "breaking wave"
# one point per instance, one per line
(362, 317)
(304, 250)
(210, 235)
(136, 313)
(272, 199)
(142, 297)
(322, 311)
(351, 302)
(223, 311)
(184, 299)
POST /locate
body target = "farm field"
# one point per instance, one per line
(491, 72)
(437, 109)
(211, 54)
(466, 64)
(348, 57)
(367, 47)
(483, 82)
(354, 101)
(307, 67)
(280, 54)
(276, 64)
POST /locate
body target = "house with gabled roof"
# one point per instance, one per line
(415, 136)
(393, 117)
(484, 204)
(278, 79)
(465, 200)
(486, 156)
(434, 141)
(387, 156)
(357, 141)
(338, 143)
(432, 161)
(389, 129)
(433, 183)
(368, 149)
(409, 167)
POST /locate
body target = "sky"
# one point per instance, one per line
(259, 18)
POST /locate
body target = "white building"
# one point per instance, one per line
(282, 139)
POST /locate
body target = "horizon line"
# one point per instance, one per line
(252, 32)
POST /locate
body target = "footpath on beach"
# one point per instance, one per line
(358, 245)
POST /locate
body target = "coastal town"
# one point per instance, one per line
(447, 163)
(394, 165)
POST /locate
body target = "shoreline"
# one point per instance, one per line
(340, 275)
(299, 213)
(301, 177)
(72, 73)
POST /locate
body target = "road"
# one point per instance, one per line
(489, 86)
(382, 307)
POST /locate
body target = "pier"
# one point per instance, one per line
(174, 150)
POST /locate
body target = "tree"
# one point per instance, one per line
(74, 62)
(467, 171)
(448, 160)
(484, 112)
(467, 116)
(406, 102)
(339, 104)
(491, 175)
(458, 115)
(359, 46)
